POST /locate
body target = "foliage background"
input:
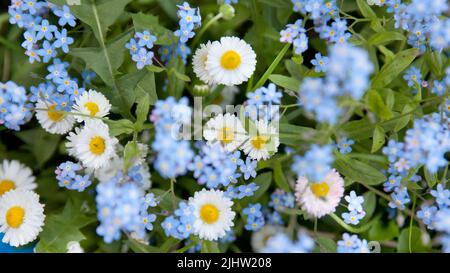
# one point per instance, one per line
(385, 111)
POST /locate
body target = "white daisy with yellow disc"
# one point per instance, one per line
(21, 217)
(227, 130)
(92, 145)
(91, 104)
(231, 61)
(52, 120)
(199, 63)
(263, 141)
(322, 197)
(15, 175)
(214, 216)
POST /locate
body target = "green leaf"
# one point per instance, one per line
(120, 127)
(62, 228)
(358, 171)
(435, 62)
(139, 247)
(146, 87)
(179, 75)
(175, 85)
(156, 69)
(210, 247)
(367, 12)
(104, 60)
(383, 232)
(385, 37)
(377, 105)
(288, 83)
(378, 138)
(130, 152)
(369, 205)
(271, 67)
(41, 144)
(403, 121)
(150, 22)
(169, 244)
(142, 109)
(416, 241)
(98, 14)
(392, 69)
(326, 245)
(431, 179)
(263, 181)
(279, 177)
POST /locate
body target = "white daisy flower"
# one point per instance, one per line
(320, 198)
(231, 61)
(21, 217)
(227, 130)
(74, 247)
(92, 145)
(213, 213)
(15, 175)
(91, 103)
(199, 63)
(262, 143)
(53, 121)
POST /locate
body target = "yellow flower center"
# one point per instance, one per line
(230, 60)
(209, 213)
(14, 216)
(92, 107)
(6, 185)
(320, 189)
(97, 145)
(54, 115)
(258, 142)
(226, 135)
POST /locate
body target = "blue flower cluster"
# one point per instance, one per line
(421, 19)
(348, 73)
(437, 216)
(255, 217)
(263, 104)
(214, 167)
(68, 176)
(426, 143)
(140, 47)
(14, 109)
(295, 34)
(315, 163)
(281, 243)
(280, 199)
(42, 39)
(122, 206)
(173, 155)
(355, 209)
(190, 19)
(325, 16)
(241, 191)
(60, 90)
(345, 145)
(229, 2)
(180, 225)
(352, 244)
(320, 63)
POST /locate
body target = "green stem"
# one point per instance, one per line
(411, 223)
(350, 228)
(272, 67)
(205, 28)
(172, 190)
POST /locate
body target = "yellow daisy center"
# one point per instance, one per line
(230, 60)
(258, 142)
(54, 115)
(97, 145)
(226, 135)
(92, 107)
(6, 185)
(209, 213)
(320, 189)
(14, 216)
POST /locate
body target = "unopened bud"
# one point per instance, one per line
(227, 11)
